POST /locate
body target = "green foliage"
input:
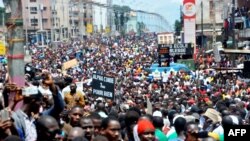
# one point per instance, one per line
(121, 16)
(140, 27)
(2, 11)
(177, 27)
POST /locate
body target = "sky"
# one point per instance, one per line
(1, 3)
(170, 9)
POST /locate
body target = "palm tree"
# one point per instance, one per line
(16, 42)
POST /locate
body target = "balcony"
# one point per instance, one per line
(244, 33)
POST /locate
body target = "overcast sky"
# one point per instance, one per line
(1, 3)
(170, 9)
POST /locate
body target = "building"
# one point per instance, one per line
(100, 14)
(243, 32)
(142, 21)
(37, 20)
(166, 38)
(2, 26)
(60, 19)
(210, 16)
(81, 17)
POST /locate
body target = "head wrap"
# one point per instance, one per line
(144, 125)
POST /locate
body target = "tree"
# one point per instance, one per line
(177, 27)
(2, 11)
(16, 42)
(140, 27)
(121, 17)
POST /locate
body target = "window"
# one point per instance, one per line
(34, 22)
(165, 38)
(33, 10)
(32, 0)
(45, 20)
(161, 38)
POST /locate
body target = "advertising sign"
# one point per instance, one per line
(163, 55)
(189, 11)
(103, 86)
(181, 49)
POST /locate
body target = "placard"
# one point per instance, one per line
(69, 64)
(103, 86)
(33, 90)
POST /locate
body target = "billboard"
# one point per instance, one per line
(163, 55)
(181, 49)
(189, 15)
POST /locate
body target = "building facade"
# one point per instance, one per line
(210, 14)
(166, 38)
(142, 21)
(243, 31)
(60, 28)
(100, 14)
(37, 20)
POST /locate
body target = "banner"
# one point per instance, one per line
(2, 48)
(103, 86)
(188, 62)
(107, 29)
(189, 11)
(217, 57)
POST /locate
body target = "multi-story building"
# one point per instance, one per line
(81, 17)
(209, 15)
(142, 21)
(60, 19)
(2, 26)
(243, 20)
(166, 38)
(100, 14)
(37, 20)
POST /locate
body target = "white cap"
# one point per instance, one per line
(157, 114)
(99, 99)
(102, 114)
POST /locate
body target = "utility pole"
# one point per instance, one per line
(233, 31)
(41, 22)
(233, 23)
(16, 43)
(202, 24)
(214, 23)
(27, 23)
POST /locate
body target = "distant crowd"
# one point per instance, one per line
(179, 106)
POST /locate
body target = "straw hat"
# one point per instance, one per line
(213, 115)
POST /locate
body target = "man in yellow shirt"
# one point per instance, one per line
(74, 97)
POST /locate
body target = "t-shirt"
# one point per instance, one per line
(171, 134)
(160, 135)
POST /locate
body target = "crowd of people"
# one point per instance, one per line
(180, 106)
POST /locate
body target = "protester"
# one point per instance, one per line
(169, 102)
